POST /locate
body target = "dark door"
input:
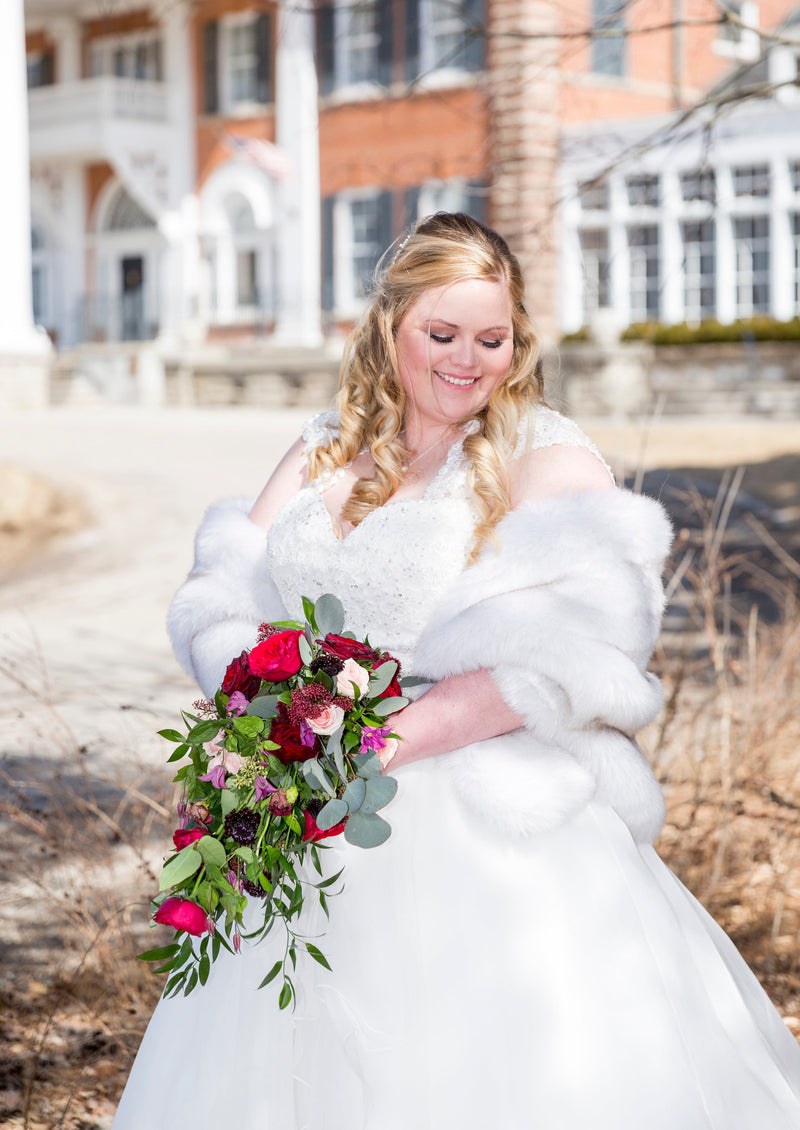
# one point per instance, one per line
(133, 298)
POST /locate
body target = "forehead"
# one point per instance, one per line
(468, 300)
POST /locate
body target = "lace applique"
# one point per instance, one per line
(545, 428)
(320, 429)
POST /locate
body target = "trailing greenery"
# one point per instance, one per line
(745, 329)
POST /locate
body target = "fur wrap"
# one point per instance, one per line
(565, 612)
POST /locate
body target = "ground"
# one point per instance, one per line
(87, 677)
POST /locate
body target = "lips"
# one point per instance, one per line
(457, 382)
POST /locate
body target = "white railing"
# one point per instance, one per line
(93, 101)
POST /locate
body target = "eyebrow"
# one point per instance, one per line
(455, 326)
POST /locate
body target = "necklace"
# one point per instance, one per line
(411, 462)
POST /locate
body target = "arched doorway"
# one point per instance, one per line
(128, 250)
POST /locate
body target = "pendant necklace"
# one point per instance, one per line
(404, 467)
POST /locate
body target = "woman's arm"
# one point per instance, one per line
(285, 480)
(469, 708)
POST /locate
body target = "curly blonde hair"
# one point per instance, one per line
(445, 248)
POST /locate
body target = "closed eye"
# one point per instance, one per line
(443, 339)
(492, 344)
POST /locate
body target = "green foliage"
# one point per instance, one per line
(760, 328)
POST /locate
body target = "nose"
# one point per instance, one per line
(464, 353)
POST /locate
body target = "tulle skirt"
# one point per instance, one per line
(557, 982)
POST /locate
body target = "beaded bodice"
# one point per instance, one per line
(391, 570)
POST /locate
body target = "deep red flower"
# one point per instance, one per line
(278, 657)
(239, 677)
(313, 832)
(184, 836)
(289, 738)
(182, 914)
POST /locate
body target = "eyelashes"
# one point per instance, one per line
(445, 339)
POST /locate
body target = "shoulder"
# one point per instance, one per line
(320, 429)
(554, 457)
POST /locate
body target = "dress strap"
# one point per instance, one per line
(545, 428)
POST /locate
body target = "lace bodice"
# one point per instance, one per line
(391, 570)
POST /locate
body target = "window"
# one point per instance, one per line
(593, 196)
(237, 62)
(608, 37)
(644, 272)
(357, 37)
(40, 69)
(751, 180)
(794, 175)
(137, 56)
(357, 44)
(39, 277)
(455, 195)
(245, 236)
(699, 184)
(699, 270)
(751, 236)
(643, 190)
(738, 30)
(795, 221)
(357, 228)
(596, 270)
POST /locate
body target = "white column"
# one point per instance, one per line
(619, 260)
(17, 331)
(781, 247)
(298, 222)
(726, 247)
(671, 249)
(73, 251)
(66, 32)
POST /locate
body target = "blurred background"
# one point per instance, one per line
(195, 194)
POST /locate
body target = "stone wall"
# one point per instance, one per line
(760, 378)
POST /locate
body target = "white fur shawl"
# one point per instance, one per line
(565, 615)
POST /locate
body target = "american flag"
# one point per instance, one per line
(271, 158)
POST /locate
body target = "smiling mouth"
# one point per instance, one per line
(457, 381)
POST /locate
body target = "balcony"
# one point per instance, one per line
(87, 119)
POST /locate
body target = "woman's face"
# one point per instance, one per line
(454, 347)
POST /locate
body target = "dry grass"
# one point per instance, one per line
(82, 851)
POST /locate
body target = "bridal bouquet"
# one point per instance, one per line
(291, 751)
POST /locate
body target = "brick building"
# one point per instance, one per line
(208, 169)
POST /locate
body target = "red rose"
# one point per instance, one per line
(239, 677)
(313, 832)
(344, 648)
(182, 914)
(289, 738)
(184, 836)
(278, 657)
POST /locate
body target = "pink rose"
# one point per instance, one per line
(182, 914)
(328, 720)
(386, 754)
(352, 672)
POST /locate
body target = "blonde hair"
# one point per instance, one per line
(446, 248)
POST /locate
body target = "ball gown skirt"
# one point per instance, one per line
(558, 982)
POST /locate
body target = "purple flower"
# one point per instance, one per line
(237, 704)
(263, 787)
(234, 881)
(307, 736)
(374, 738)
(216, 776)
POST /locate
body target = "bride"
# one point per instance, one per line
(516, 954)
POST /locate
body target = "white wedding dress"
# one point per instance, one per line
(559, 981)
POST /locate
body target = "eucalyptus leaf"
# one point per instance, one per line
(332, 813)
(389, 706)
(354, 794)
(211, 850)
(263, 706)
(305, 651)
(329, 615)
(184, 865)
(378, 792)
(313, 770)
(366, 830)
(414, 681)
(367, 765)
(381, 677)
(229, 799)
